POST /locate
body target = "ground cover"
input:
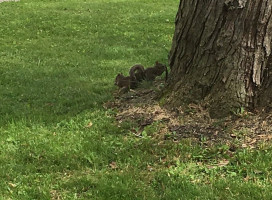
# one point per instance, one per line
(60, 139)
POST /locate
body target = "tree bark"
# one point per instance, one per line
(221, 54)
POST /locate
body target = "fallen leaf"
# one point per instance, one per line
(269, 137)
(246, 178)
(149, 168)
(258, 171)
(261, 136)
(253, 141)
(89, 125)
(264, 123)
(223, 163)
(113, 165)
(12, 185)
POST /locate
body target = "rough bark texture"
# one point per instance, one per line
(221, 53)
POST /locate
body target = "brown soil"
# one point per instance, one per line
(142, 108)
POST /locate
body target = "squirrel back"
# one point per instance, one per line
(122, 81)
(152, 72)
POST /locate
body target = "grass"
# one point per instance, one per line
(57, 67)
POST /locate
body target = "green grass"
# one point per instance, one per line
(57, 68)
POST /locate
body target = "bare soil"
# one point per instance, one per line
(141, 107)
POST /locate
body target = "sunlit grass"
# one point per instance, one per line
(58, 62)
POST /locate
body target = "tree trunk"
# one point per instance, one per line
(221, 54)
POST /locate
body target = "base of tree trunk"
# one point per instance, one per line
(221, 55)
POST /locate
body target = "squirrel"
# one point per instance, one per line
(152, 72)
(137, 73)
(123, 82)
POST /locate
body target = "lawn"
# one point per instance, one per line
(57, 141)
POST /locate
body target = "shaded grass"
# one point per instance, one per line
(58, 62)
(57, 55)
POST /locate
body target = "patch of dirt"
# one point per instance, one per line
(141, 107)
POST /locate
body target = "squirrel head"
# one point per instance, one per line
(160, 65)
(117, 78)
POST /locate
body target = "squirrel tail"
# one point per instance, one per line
(136, 68)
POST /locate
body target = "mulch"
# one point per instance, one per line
(142, 108)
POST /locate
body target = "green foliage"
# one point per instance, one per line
(58, 63)
(240, 112)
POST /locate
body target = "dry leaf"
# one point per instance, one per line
(269, 137)
(246, 178)
(223, 163)
(89, 125)
(253, 141)
(113, 165)
(210, 167)
(149, 168)
(258, 171)
(264, 123)
(12, 185)
(261, 136)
